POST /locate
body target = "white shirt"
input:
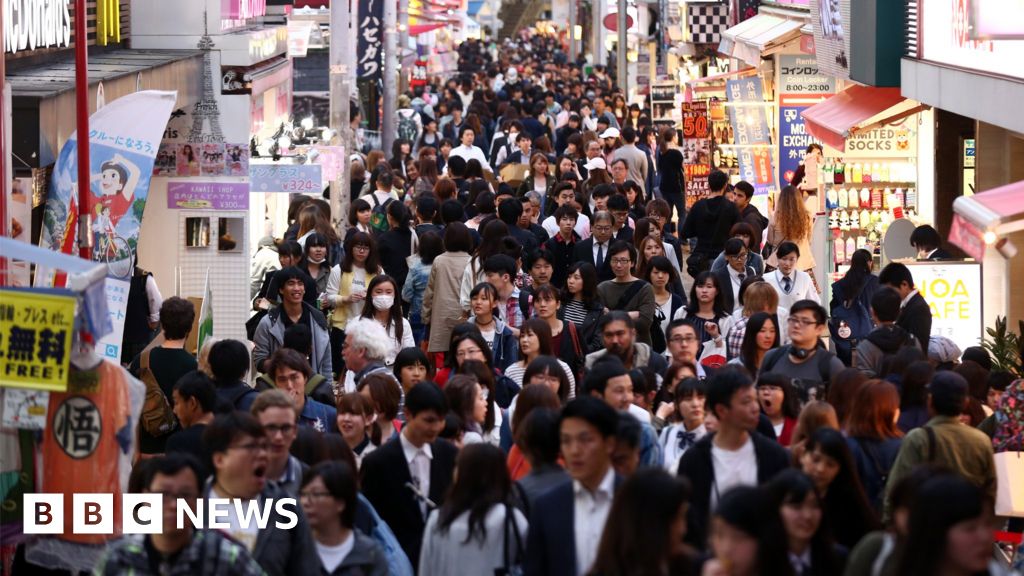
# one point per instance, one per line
(582, 226)
(604, 253)
(637, 412)
(332, 556)
(670, 444)
(802, 288)
(801, 563)
(591, 511)
(244, 535)
(419, 466)
(906, 300)
(734, 276)
(733, 468)
(468, 153)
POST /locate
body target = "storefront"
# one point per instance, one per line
(973, 78)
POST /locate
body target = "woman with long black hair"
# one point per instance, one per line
(581, 305)
(801, 515)
(761, 335)
(474, 527)
(851, 303)
(706, 312)
(397, 243)
(829, 463)
(383, 305)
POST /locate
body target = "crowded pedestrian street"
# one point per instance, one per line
(512, 287)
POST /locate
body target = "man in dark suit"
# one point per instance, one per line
(595, 248)
(409, 475)
(734, 273)
(915, 314)
(509, 211)
(736, 455)
(928, 243)
(566, 523)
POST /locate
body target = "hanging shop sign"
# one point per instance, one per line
(370, 45)
(953, 292)
(34, 24)
(124, 139)
(303, 178)
(945, 31)
(749, 119)
(799, 74)
(897, 140)
(208, 195)
(35, 339)
(696, 150)
(298, 37)
(801, 85)
(831, 23)
(235, 13)
(108, 22)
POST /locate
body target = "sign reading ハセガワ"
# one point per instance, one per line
(35, 339)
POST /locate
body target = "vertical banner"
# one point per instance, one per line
(205, 314)
(801, 85)
(124, 137)
(750, 125)
(696, 150)
(370, 48)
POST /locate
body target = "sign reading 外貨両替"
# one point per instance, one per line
(208, 195)
(35, 339)
(279, 178)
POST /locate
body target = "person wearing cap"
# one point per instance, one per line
(945, 441)
(635, 158)
(610, 138)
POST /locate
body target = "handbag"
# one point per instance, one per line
(511, 559)
(1010, 484)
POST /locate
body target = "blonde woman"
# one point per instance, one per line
(792, 222)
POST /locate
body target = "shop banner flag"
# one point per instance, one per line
(750, 126)
(696, 151)
(370, 46)
(124, 137)
(205, 314)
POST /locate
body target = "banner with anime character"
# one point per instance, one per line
(124, 137)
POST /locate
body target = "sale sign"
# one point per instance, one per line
(696, 150)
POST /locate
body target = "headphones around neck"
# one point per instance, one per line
(800, 353)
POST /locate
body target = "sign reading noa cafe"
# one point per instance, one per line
(33, 24)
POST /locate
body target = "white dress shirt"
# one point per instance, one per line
(802, 287)
(419, 466)
(582, 226)
(604, 253)
(591, 511)
(735, 282)
(468, 153)
(905, 301)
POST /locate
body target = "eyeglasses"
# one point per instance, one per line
(741, 256)
(621, 260)
(310, 495)
(360, 248)
(468, 352)
(285, 429)
(603, 228)
(793, 320)
(682, 339)
(251, 448)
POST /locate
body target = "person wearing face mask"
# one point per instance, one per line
(386, 309)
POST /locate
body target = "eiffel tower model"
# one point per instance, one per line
(206, 109)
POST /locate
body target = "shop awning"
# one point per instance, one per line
(417, 29)
(758, 36)
(856, 109)
(983, 218)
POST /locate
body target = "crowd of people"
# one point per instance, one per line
(498, 368)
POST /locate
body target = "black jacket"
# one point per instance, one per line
(697, 467)
(584, 252)
(394, 246)
(709, 222)
(564, 257)
(385, 473)
(916, 318)
(725, 281)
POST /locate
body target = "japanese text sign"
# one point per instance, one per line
(750, 124)
(370, 48)
(208, 195)
(283, 178)
(35, 339)
(696, 150)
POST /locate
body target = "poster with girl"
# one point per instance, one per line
(188, 160)
(212, 163)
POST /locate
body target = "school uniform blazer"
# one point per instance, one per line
(551, 542)
(584, 252)
(384, 474)
(725, 281)
(916, 318)
(697, 467)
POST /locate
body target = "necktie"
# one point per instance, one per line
(686, 439)
(421, 468)
(787, 284)
(742, 276)
(600, 255)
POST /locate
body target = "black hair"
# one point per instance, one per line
(820, 315)
(793, 487)
(198, 385)
(717, 180)
(385, 178)
(290, 248)
(452, 211)
(481, 483)
(886, 304)
(400, 213)
(588, 273)
(895, 274)
(790, 397)
(857, 276)
(845, 498)
(786, 248)
(606, 368)
(170, 464)
(537, 435)
(509, 211)
(501, 264)
(734, 246)
(431, 246)
(629, 430)
(548, 365)
(461, 333)
(566, 211)
(718, 306)
(358, 205)
(618, 202)
(425, 396)
(298, 337)
(619, 246)
(457, 238)
(748, 348)
(410, 357)
(925, 237)
(285, 275)
(604, 190)
(225, 428)
(341, 481)
(539, 254)
(745, 187)
(978, 355)
(229, 361)
(593, 411)
(724, 384)
(615, 316)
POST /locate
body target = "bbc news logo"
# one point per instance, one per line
(143, 513)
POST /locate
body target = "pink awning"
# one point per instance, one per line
(993, 213)
(417, 29)
(834, 120)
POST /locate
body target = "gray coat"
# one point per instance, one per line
(270, 336)
(365, 559)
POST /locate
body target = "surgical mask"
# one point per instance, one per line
(315, 261)
(383, 301)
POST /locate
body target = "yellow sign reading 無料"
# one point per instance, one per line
(35, 339)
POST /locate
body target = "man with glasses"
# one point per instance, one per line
(628, 293)
(290, 373)
(683, 345)
(595, 248)
(176, 550)
(364, 351)
(618, 205)
(735, 272)
(805, 359)
(238, 447)
(277, 414)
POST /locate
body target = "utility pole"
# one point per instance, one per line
(403, 44)
(596, 23)
(620, 53)
(341, 97)
(572, 31)
(389, 122)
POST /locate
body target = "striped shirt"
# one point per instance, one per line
(575, 312)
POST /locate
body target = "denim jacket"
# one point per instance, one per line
(415, 285)
(505, 348)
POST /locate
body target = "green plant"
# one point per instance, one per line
(1005, 346)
